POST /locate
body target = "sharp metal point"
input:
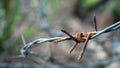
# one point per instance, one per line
(23, 40)
(95, 23)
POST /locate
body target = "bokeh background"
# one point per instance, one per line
(36, 19)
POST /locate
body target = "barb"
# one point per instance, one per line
(83, 49)
(80, 37)
(107, 29)
(95, 23)
(70, 35)
(23, 39)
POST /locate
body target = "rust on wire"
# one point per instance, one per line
(78, 38)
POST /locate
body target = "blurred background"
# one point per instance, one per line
(44, 19)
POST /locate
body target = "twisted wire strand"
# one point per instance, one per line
(107, 29)
(25, 49)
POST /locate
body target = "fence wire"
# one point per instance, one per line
(25, 49)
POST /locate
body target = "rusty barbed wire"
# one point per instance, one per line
(78, 38)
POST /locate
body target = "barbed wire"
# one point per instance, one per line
(25, 49)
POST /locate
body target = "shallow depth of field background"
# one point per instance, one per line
(36, 19)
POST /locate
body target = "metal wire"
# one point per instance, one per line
(107, 29)
(25, 49)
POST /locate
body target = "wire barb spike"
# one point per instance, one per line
(95, 23)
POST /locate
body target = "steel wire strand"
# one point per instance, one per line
(107, 29)
(24, 50)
